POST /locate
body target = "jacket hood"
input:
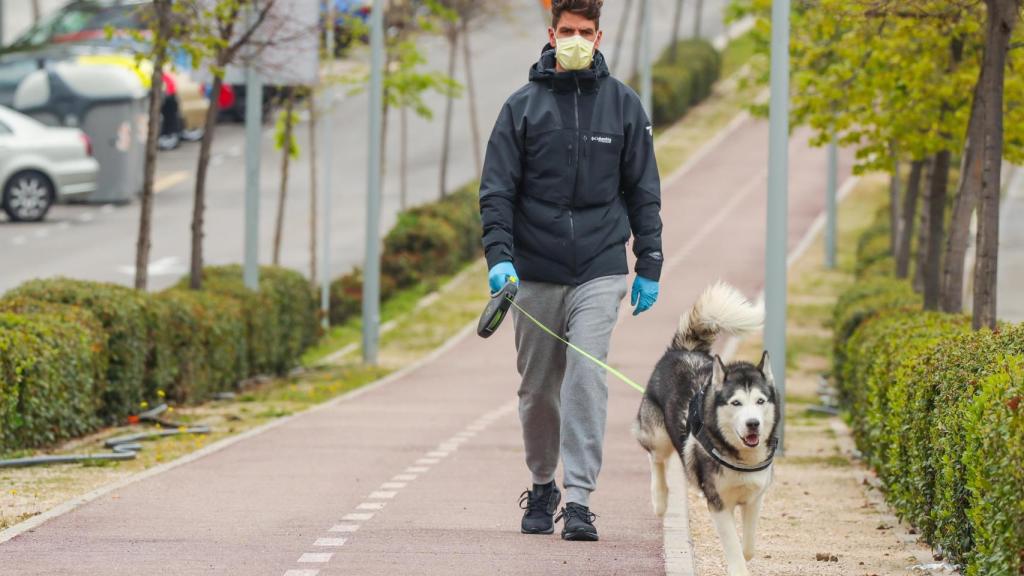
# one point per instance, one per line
(544, 71)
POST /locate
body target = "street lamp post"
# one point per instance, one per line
(371, 276)
(253, 151)
(645, 69)
(778, 183)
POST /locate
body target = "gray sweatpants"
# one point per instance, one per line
(563, 398)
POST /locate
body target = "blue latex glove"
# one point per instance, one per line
(501, 273)
(645, 294)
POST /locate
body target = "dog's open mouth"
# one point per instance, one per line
(751, 440)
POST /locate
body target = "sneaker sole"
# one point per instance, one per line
(581, 536)
(548, 531)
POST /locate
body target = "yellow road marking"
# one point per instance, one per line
(169, 181)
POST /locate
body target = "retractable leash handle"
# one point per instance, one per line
(497, 309)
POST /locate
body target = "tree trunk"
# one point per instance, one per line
(474, 125)
(36, 12)
(908, 216)
(936, 224)
(199, 199)
(453, 42)
(1002, 17)
(698, 15)
(676, 20)
(923, 228)
(314, 191)
(620, 36)
(162, 11)
(951, 299)
(894, 202)
(286, 156)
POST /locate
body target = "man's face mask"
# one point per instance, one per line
(574, 52)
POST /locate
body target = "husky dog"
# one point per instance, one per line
(720, 419)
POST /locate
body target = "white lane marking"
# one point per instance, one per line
(316, 557)
(344, 527)
(86, 217)
(329, 542)
(393, 485)
(358, 517)
(450, 446)
(427, 461)
(64, 225)
(437, 454)
(417, 469)
(371, 506)
(405, 477)
(383, 494)
(41, 233)
(19, 240)
(107, 209)
(301, 573)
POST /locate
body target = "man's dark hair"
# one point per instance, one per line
(589, 9)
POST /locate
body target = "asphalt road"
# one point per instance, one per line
(421, 475)
(98, 243)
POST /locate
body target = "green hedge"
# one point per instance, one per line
(427, 243)
(122, 313)
(76, 354)
(932, 407)
(677, 86)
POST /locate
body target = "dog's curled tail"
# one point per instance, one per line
(721, 308)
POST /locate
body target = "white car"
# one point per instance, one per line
(40, 165)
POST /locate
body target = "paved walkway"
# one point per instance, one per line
(421, 475)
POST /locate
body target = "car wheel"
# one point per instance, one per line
(27, 196)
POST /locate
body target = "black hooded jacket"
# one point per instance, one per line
(569, 174)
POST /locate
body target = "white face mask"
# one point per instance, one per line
(574, 52)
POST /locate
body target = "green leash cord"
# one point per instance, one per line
(583, 352)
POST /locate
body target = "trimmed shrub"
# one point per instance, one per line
(994, 419)
(49, 378)
(678, 85)
(202, 345)
(123, 314)
(280, 318)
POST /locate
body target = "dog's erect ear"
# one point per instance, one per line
(718, 376)
(765, 367)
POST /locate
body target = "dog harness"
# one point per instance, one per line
(695, 420)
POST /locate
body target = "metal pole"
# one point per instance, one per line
(645, 69)
(371, 275)
(1, 23)
(830, 203)
(326, 121)
(778, 182)
(253, 151)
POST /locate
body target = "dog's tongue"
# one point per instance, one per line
(751, 439)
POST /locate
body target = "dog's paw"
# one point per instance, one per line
(660, 505)
(748, 554)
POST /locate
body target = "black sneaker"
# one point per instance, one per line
(540, 505)
(578, 523)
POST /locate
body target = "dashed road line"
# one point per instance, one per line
(389, 490)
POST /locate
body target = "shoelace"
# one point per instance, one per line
(527, 501)
(570, 512)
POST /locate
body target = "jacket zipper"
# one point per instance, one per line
(576, 180)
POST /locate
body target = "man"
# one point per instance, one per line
(569, 175)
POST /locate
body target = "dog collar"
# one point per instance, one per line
(696, 423)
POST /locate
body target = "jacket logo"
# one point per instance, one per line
(650, 130)
(601, 139)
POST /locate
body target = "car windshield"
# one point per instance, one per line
(81, 21)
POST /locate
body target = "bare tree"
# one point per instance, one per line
(620, 35)
(474, 124)
(289, 149)
(936, 225)
(313, 189)
(36, 12)
(676, 21)
(923, 228)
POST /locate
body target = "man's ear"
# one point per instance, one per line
(765, 366)
(551, 37)
(718, 377)
(597, 41)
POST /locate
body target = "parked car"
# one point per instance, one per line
(40, 165)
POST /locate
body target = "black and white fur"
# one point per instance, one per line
(740, 413)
